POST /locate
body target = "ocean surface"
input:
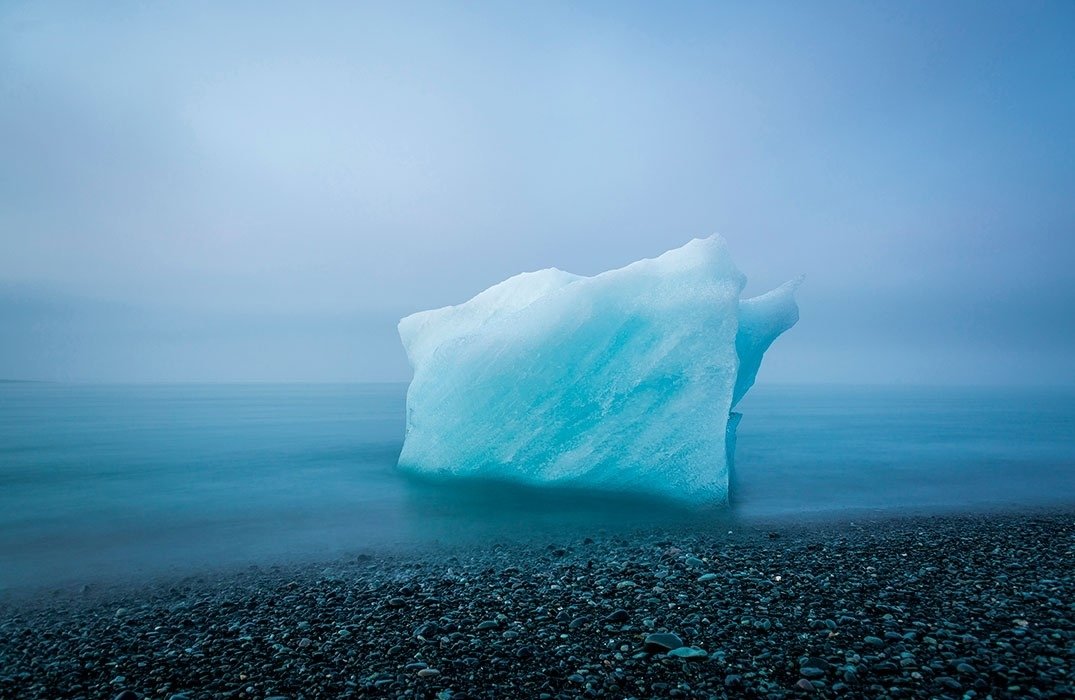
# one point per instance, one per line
(104, 483)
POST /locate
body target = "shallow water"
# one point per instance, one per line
(107, 482)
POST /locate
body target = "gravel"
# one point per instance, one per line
(944, 606)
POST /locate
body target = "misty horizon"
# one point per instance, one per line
(258, 194)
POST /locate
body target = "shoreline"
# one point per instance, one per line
(905, 606)
(119, 579)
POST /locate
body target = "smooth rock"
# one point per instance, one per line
(427, 629)
(579, 622)
(662, 641)
(948, 682)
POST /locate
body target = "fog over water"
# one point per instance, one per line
(100, 483)
(258, 191)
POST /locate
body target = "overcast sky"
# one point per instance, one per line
(190, 191)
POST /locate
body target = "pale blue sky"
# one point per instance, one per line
(257, 191)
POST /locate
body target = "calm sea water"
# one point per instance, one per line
(101, 483)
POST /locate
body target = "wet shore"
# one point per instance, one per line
(940, 606)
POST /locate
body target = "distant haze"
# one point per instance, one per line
(258, 191)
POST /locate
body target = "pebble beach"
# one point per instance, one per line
(956, 606)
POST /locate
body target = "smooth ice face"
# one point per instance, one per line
(623, 381)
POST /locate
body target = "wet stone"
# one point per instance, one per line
(662, 641)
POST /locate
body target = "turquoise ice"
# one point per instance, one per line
(624, 381)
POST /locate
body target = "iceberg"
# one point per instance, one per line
(624, 381)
